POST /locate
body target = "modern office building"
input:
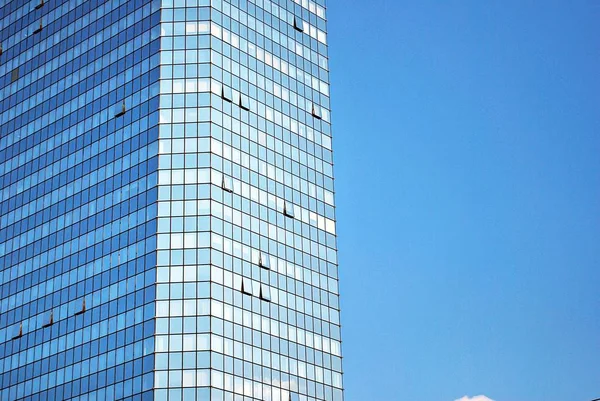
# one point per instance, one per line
(167, 221)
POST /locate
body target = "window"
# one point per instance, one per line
(298, 24)
(316, 111)
(121, 110)
(265, 293)
(264, 262)
(0, 50)
(50, 320)
(244, 102)
(226, 93)
(39, 28)
(82, 310)
(227, 184)
(14, 75)
(288, 209)
(19, 332)
(247, 286)
(39, 5)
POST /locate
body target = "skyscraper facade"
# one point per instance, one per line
(167, 222)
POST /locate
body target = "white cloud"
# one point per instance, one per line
(476, 398)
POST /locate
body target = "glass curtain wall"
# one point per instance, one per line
(79, 85)
(167, 220)
(247, 288)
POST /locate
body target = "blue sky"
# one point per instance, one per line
(467, 151)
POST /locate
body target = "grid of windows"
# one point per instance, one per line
(78, 199)
(247, 294)
(167, 220)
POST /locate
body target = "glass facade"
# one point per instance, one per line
(167, 221)
(78, 198)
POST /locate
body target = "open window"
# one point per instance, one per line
(298, 24)
(265, 293)
(39, 5)
(288, 209)
(316, 111)
(263, 261)
(226, 93)
(14, 75)
(0, 50)
(19, 332)
(121, 110)
(246, 286)
(244, 102)
(82, 310)
(39, 28)
(49, 321)
(227, 184)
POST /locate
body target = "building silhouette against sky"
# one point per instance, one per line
(167, 221)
